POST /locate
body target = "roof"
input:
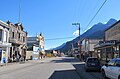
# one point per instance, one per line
(113, 25)
(4, 24)
(19, 25)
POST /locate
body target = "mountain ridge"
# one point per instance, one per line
(96, 31)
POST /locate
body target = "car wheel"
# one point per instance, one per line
(86, 70)
(103, 74)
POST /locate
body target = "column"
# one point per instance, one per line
(105, 54)
(7, 55)
(112, 52)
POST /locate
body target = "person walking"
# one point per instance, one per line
(19, 57)
(24, 58)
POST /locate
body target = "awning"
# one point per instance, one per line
(105, 44)
(4, 45)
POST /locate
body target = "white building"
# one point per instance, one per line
(4, 45)
(88, 46)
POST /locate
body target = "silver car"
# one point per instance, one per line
(111, 69)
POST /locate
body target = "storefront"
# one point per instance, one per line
(107, 50)
(110, 47)
(4, 42)
(4, 53)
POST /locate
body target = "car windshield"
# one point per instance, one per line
(93, 60)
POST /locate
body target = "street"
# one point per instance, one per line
(48, 68)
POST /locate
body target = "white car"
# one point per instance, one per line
(111, 69)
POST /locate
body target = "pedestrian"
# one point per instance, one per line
(41, 54)
(24, 58)
(13, 56)
(19, 56)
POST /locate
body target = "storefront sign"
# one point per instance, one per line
(111, 42)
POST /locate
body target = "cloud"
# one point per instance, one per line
(76, 33)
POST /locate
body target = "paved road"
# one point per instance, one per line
(86, 75)
(49, 68)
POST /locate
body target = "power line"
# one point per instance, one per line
(94, 8)
(96, 14)
(59, 38)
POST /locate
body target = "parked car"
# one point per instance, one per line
(111, 69)
(92, 64)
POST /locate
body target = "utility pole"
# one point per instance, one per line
(79, 42)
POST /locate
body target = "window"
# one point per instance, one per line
(111, 63)
(0, 34)
(5, 36)
(93, 60)
(23, 39)
(117, 63)
(19, 36)
(13, 34)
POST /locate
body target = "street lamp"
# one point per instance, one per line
(79, 43)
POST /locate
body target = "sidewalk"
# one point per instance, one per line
(10, 67)
(28, 61)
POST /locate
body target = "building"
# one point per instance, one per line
(18, 39)
(87, 47)
(110, 47)
(40, 39)
(75, 50)
(32, 50)
(4, 42)
(35, 47)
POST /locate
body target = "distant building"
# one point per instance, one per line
(40, 39)
(31, 41)
(35, 47)
(32, 50)
(87, 47)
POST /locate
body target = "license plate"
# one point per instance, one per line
(92, 63)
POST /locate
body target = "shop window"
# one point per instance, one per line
(109, 56)
(103, 54)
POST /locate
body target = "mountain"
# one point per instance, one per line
(95, 32)
(59, 47)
